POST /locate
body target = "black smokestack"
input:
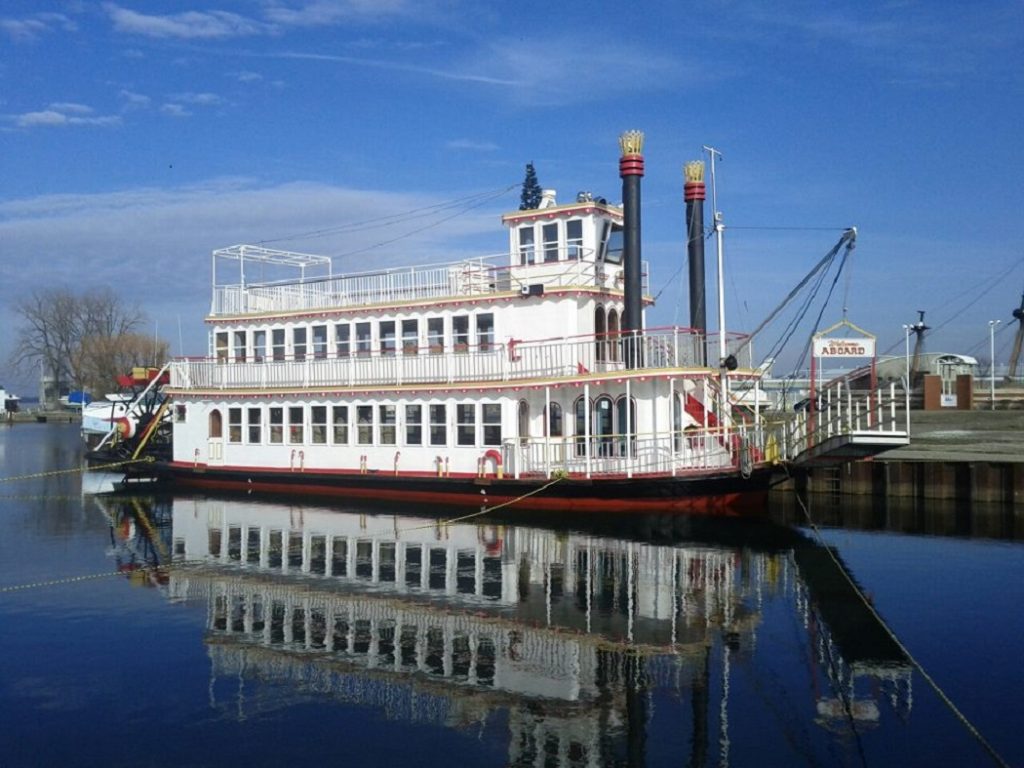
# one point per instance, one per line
(694, 194)
(631, 169)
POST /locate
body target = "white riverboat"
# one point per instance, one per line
(529, 377)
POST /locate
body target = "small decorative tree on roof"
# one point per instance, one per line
(530, 198)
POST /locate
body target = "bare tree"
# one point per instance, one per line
(107, 357)
(60, 332)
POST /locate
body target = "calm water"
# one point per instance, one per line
(305, 634)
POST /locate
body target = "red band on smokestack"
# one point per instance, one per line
(631, 165)
(694, 190)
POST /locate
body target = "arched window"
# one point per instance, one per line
(599, 332)
(625, 426)
(524, 421)
(677, 421)
(603, 425)
(554, 421)
(614, 340)
(216, 424)
(580, 414)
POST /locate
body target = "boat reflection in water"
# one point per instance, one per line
(575, 637)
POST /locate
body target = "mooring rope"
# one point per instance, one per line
(74, 470)
(971, 728)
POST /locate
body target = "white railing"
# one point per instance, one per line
(472, 277)
(844, 412)
(516, 360)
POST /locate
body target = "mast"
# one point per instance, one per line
(726, 362)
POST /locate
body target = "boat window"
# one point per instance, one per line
(364, 424)
(603, 426)
(318, 424)
(216, 428)
(612, 248)
(527, 253)
(574, 238)
(677, 422)
(600, 339)
(435, 335)
(626, 424)
(234, 425)
(363, 339)
(320, 341)
(387, 424)
(296, 424)
(259, 346)
(460, 332)
(491, 421)
(339, 420)
(255, 436)
(523, 421)
(465, 424)
(221, 346)
(614, 340)
(550, 233)
(299, 344)
(277, 425)
(580, 413)
(414, 425)
(485, 332)
(554, 420)
(410, 337)
(180, 412)
(438, 425)
(277, 343)
(240, 346)
(342, 339)
(387, 337)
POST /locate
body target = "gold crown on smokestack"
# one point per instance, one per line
(631, 143)
(693, 171)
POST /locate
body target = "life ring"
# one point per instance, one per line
(125, 427)
(494, 456)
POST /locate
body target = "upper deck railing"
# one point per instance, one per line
(514, 360)
(470, 277)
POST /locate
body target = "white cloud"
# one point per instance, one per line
(71, 108)
(64, 114)
(175, 110)
(309, 13)
(190, 25)
(247, 77)
(198, 99)
(472, 146)
(134, 100)
(32, 27)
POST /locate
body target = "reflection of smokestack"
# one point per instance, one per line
(693, 194)
(631, 169)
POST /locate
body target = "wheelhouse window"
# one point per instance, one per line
(255, 426)
(298, 344)
(339, 422)
(364, 424)
(342, 340)
(485, 331)
(259, 346)
(220, 344)
(318, 424)
(414, 425)
(613, 244)
(574, 239)
(491, 422)
(240, 346)
(527, 253)
(234, 425)
(387, 416)
(363, 339)
(435, 335)
(438, 425)
(387, 337)
(410, 337)
(320, 341)
(277, 343)
(277, 425)
(296, 424)
(465, 424)
(550, 233)
(460, 333)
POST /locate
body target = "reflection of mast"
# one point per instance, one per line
(1018, 315)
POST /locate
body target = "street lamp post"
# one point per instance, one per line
(906, 356)
(992, 363)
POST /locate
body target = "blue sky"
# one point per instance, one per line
(137, 137)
